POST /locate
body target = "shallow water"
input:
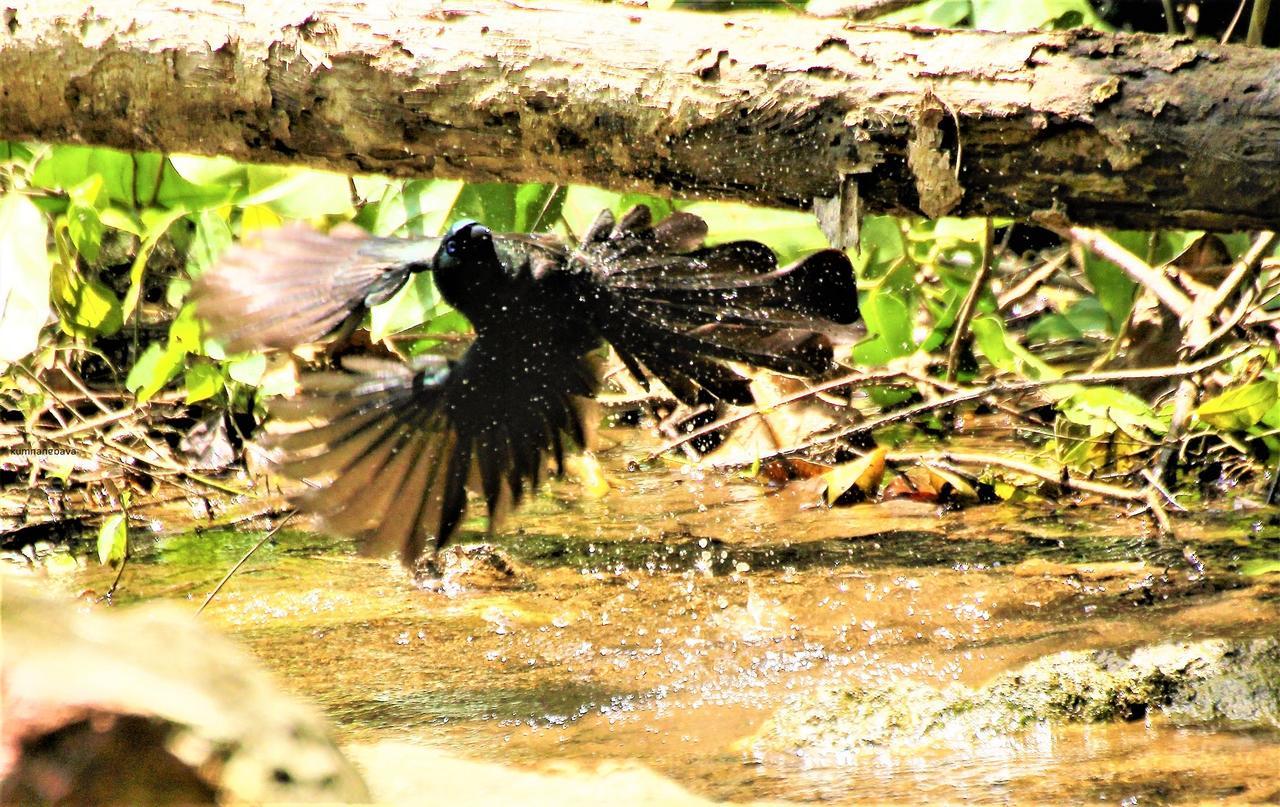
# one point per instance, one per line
(666, 620)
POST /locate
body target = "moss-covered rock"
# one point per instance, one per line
(1233, 684)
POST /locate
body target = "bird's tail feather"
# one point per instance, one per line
(675, 306)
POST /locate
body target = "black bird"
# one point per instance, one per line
(393, 450)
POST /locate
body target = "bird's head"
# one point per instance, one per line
(467, 242)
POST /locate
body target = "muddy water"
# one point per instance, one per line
(666, 620)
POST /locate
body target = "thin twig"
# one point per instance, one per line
(1247, 262)
(1133, 266)
(1155, 483)
(1231, 29)
(1257, 22)
(1177, 371)
(1199, 319)
(124, 561)
(1032, 281)
(961, 328)
(1055, 475)
(242, 560)
(1158, 514)
(835, 383)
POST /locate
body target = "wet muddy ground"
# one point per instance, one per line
(665, 621)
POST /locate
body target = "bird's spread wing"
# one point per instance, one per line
(391, 453)
(676, 308)
(292, 286)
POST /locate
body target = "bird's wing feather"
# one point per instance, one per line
(292, 286)
(391, 454)
(676, 307)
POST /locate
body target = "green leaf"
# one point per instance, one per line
(582, 203)
(789, 233)
(490, 203)
(413, 305)
(1085, 318)
(248, 369)
(881, 247)
(87, 307)
(537, 206)
(1104, 409)
(84, 218)
(226, 180)
(213, 235)
(1260, 566)
(113, 539)
(298, 193)
(156, 226)
(1027, 15)
(202, 381)
(1114, 289)
(888, 316)
(938, 13)
(184, 331)
(207, 170)
(1004, 351)
(420, 208)
(157, 366)
(24, 276)
(1239, 408)
(65, 167)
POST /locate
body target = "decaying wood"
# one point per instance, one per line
(1139, 131)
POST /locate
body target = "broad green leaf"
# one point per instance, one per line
(212, 235)
(156, 226)
(157, 366)
(1260, 566)
(1085, 318)
(372, 188)
(207, 170)
(202, 381)
(184, 331)
(420, 208)
(1114, 290)
(248, 369)
(890, 321)
(493, 204)
(881, 247)
(24, 276)
(125, 221)
(413, 305)
(87, 307)
(582, 203)
(299, 193)
(1027, 15)
(258, 217)
(1004, 351)
(65, 167)
(787, 232)
(113, 539)
(537, 206)
(940, 13)
(1240, 407)
(1105, 408)
(84, 218)
(173, 190)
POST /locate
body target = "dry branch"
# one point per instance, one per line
(1136, 131)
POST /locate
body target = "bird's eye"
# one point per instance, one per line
(451, 247)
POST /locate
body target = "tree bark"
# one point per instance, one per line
(1119, 130)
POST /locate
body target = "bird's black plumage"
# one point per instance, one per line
(392, 450)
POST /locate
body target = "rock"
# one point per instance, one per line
(145, 705)
(1227, 684)
(459, 569)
